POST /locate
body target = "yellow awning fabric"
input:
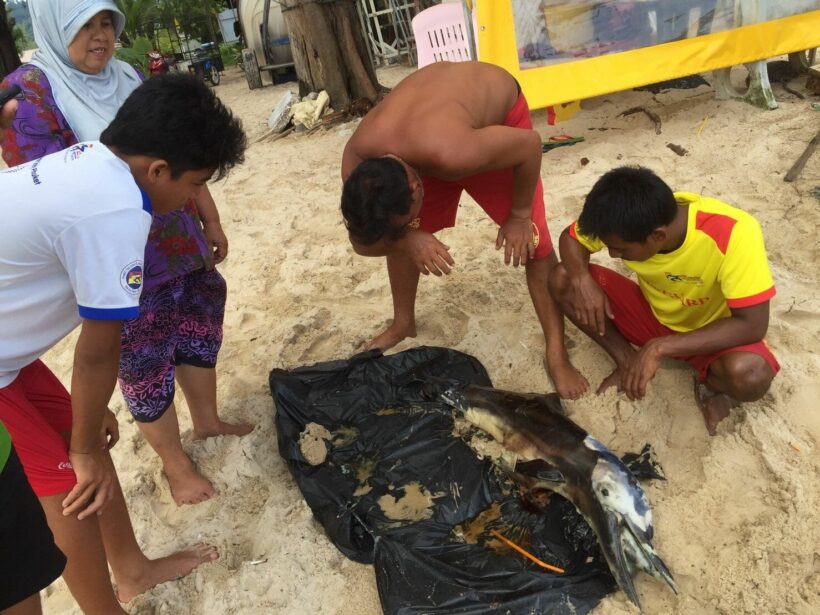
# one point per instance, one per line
(586, 77)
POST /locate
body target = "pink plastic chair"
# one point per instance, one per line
(441, 35)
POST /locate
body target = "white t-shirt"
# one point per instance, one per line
(73, 227)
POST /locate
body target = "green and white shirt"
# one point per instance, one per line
(5, 446)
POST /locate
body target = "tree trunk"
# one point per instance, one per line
(9, 60)
(329, 50)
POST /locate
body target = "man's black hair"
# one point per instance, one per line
(372, 196)
(177, 118)
(629, 202)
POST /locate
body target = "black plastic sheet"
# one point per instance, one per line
(386, 438)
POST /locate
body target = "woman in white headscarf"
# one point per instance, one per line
(71, 91)
(73, 85)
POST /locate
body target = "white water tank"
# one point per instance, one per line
(250, 16)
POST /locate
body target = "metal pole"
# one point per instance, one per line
(468, 7)
(365, 23)
(266, 33)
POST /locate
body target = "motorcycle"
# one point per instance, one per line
(158, 64)
(206, 63)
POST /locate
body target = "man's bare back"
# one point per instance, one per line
(442, 125)
(430, 111)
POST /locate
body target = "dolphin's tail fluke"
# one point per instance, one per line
(424, 378)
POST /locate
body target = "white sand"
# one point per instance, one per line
(737, 521)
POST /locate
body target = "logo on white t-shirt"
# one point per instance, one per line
(75, 151)
(131, 277)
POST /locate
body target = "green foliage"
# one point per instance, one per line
(165, 43)
(135, 55)
(21, 41)
(140, 16)
(231, 53)
(17, 12)
(196, 18)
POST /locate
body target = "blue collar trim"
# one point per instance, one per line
(146, 201)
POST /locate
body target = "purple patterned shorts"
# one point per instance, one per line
(180, 322)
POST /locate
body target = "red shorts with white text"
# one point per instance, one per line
(36, 410)
(634, 319)
(492, 190)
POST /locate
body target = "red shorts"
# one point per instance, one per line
(36, 409)
(492, 190)
(636, 322)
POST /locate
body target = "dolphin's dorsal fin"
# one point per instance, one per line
(539, 470)
(537, 404)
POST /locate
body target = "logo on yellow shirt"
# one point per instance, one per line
(687, 279)
(684, 301)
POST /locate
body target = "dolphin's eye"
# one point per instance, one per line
(605, 492)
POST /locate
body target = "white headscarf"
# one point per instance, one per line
(88, 102)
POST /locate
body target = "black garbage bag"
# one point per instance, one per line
(392, 485)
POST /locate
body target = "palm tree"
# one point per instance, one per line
(139, 17)
(193, 17)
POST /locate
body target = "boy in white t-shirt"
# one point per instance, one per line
(75, 224)
(33, 560)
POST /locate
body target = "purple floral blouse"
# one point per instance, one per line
(176, 244)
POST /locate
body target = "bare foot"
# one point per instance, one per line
(568, 381)
(188, 486)
(223, 429)
(391, 336)
(613, 380)
(164, 569)
(713, 406)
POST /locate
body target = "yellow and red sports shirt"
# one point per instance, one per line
(721, 264)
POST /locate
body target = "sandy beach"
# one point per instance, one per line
(737, 521)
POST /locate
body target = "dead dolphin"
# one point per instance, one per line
(534, 428)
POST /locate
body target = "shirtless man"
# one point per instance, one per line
(446, 128)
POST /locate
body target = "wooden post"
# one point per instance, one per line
(251, 67)
(797, 167)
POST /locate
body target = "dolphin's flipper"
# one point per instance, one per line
(644, 464)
